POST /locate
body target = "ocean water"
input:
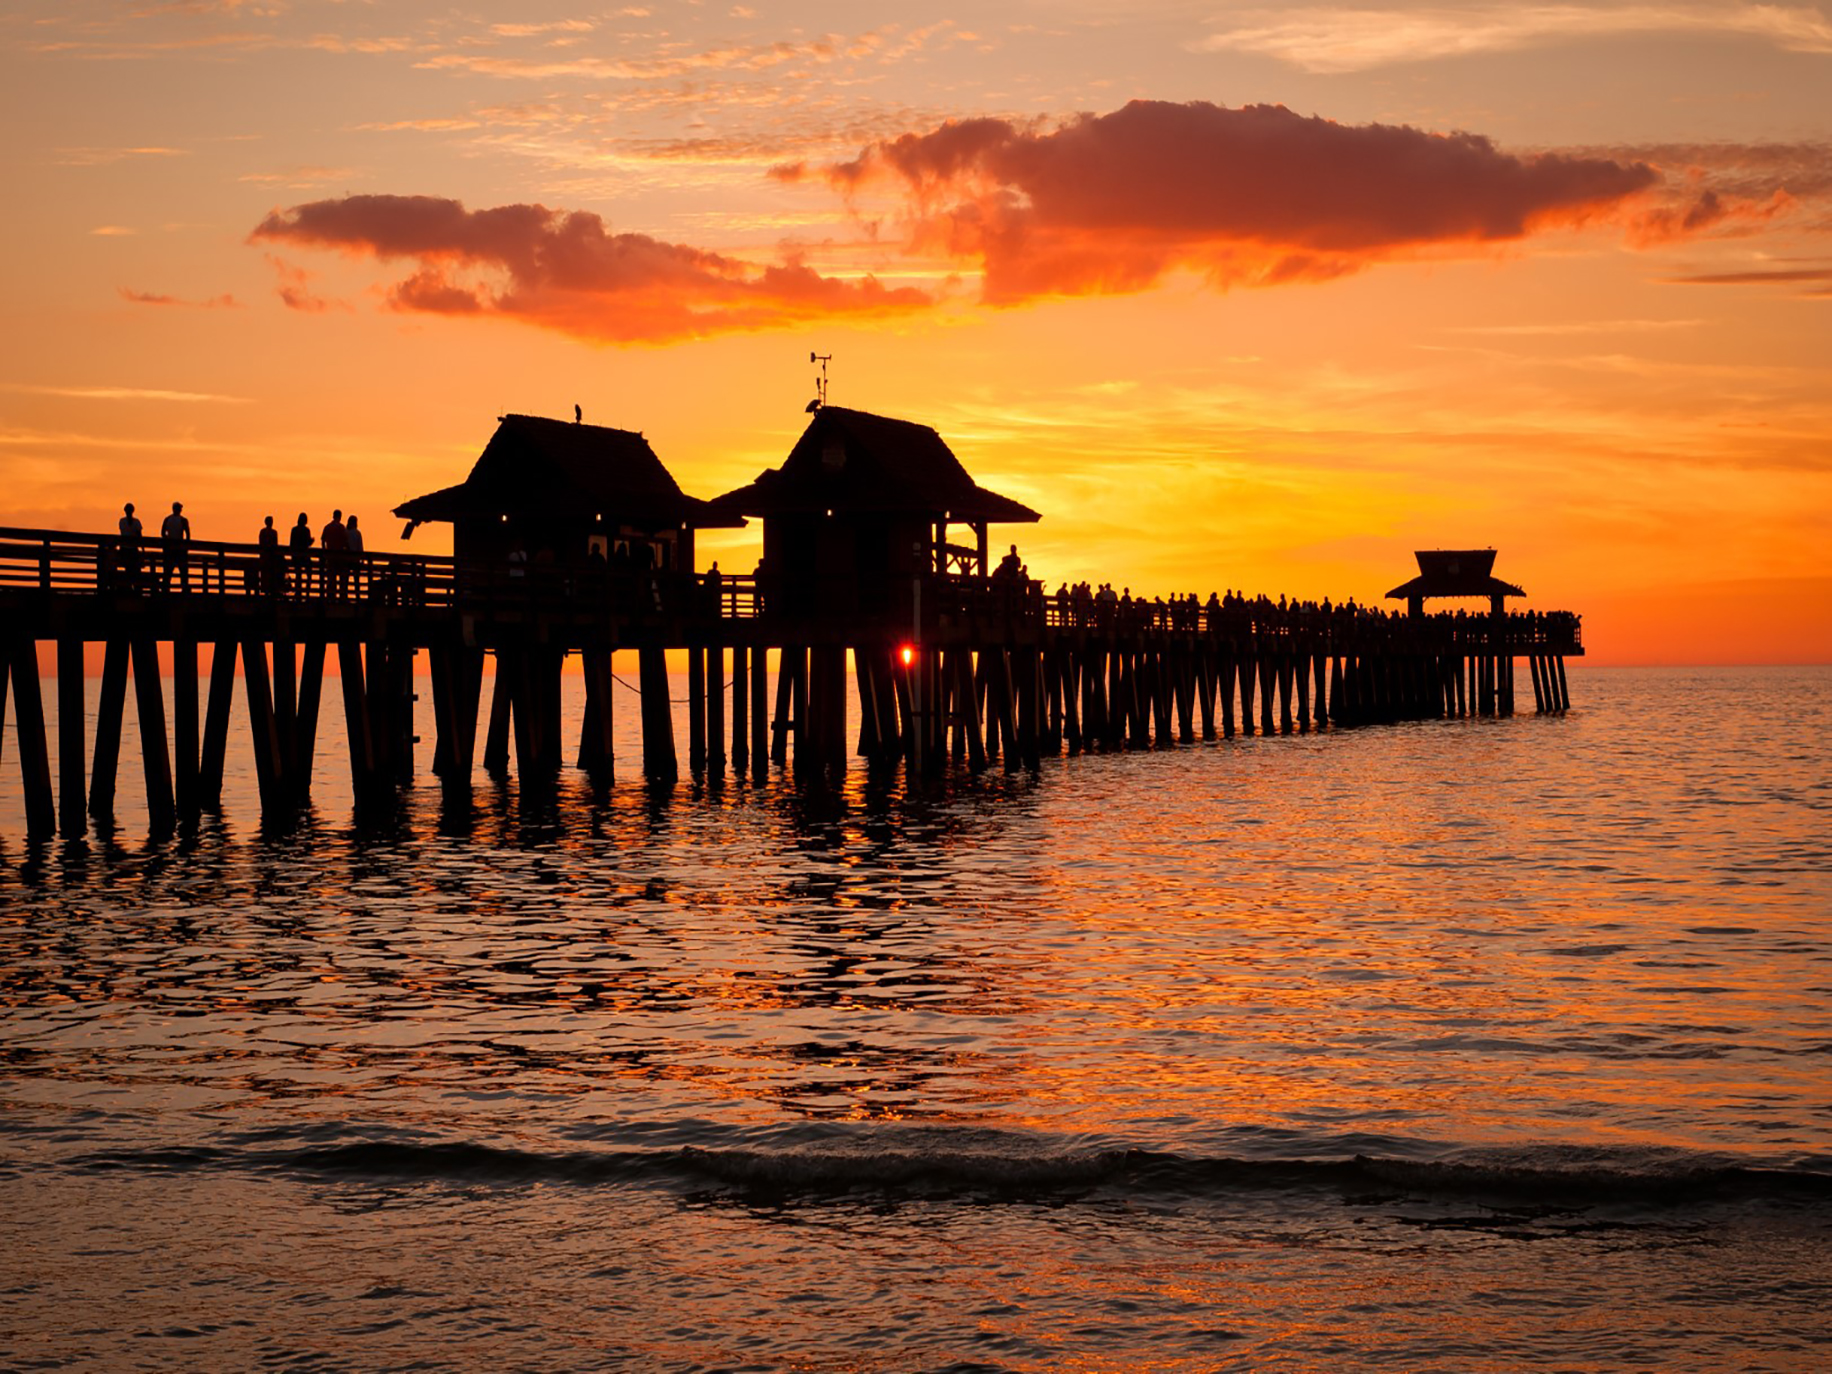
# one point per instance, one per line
(1465, 1045)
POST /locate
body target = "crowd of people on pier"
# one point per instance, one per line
(1091, 606)
(328, 564)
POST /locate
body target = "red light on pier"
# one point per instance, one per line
(908, 654)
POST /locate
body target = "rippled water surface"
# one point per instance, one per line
(1464, 1045)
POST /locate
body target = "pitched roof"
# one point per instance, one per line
(1455, 572)
(533, 465)
(849, 460)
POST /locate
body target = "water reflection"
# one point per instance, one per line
(1321, 935)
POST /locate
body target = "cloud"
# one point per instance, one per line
(1333, 40)
(293, 290)
(300, 178)
(1817, 279)
(567, 271)
(125, 393)
(157, 298)
(1110, 203)
(103, 157)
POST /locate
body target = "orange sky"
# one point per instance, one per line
(1238, 296)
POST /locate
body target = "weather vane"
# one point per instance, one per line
(820, 382)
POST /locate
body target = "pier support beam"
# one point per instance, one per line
(185, 743)
(741, 690)
(71, 797)
(29, 726)
(216, 725)
(155, 755)
(110, 710)
(659, 761)
(760, 714)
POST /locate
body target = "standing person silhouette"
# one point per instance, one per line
(333, 540)
(174, 534)
(269, 540)
(353, 554)
(300, 542)
(130, 545)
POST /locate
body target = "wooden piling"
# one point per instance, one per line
(216, 724)
(760, 717)
(71, 790)
(305, 724)
(358, 727)
(595, 731)
(741, 688)
(715, 710)
(263, 729)
(286, 699)
(185, 743)
(155, 755)
(110, 710)
(502, 707)
(659, 762)
(34, 748)
(696, 709)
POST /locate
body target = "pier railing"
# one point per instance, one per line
(68, 562)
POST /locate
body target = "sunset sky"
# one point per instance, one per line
(1237, 296)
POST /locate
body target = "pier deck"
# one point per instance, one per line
(946, 667)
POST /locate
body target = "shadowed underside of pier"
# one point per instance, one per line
(957, 670)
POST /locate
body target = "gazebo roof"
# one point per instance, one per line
(854, 462)
(1455, 572)
(536, 466)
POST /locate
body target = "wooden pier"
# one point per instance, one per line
(572, 540)
(969, 672)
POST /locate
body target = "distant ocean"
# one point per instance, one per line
(1462, 1046)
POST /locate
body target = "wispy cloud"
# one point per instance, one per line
(299, 178)
(1564, 327)
(1818, 277)
(124, 393)
(158, 298)
(113, 231)
(1330, 40)
(103, 157)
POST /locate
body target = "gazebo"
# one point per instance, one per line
(864, 502)
(560, 491)
(1454, 572)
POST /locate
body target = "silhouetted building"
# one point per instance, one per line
(556, 491)
(862, 505)
(1454, 572)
